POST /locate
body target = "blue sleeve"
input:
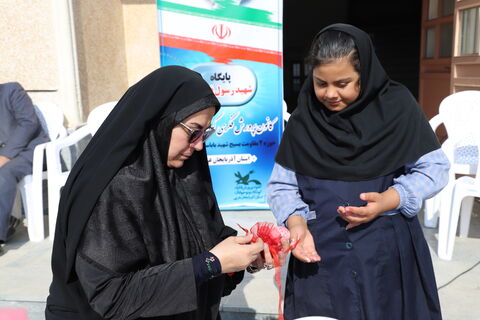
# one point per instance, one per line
(27, 124)
(283, 196)
(422, 180)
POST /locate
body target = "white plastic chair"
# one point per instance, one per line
(463, 191)
(459, 113)
(286, 115)
(315, 318)
(31, 186)
(56, 176)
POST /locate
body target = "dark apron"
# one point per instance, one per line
(378, 270)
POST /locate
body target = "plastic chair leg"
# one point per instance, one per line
(35, 200)
(443, 227)
(465, 215)
(34, 214)
(32, 202)
(53, 200)
(24, 188)
(448, 228)
(430, 218)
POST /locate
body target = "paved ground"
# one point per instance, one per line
(25, 276)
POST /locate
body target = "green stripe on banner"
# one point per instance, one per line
(227, 11)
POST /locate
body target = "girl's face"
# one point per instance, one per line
(336, 84)
(181, 148)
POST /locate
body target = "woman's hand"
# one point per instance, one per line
(377, 203)
(305, 250)
(236, 253)
(266, 260)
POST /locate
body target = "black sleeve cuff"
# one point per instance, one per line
(205, 266)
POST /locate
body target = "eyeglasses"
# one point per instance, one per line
(196, 134)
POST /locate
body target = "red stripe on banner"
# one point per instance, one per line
(220, 52)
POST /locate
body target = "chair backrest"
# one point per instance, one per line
(98, 115)
(477, 172)
(460, 113)
(51, 118)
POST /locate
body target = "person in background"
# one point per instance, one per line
(139, 233)
(20, 132)
(355, 163)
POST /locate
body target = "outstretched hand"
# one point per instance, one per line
(305, 250)
(377, 203)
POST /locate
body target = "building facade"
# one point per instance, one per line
(82, 53)
(77, 53)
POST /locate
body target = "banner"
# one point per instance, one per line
(236, 45)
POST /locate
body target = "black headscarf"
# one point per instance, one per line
(380, 132)
(180, 201)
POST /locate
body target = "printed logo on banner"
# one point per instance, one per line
(221, 31)
(247, 189)
(245, 179)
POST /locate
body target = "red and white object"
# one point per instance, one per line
(272, 235)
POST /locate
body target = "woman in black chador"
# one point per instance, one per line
(355, 163)
(139, 233)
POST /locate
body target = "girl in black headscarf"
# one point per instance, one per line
(139, 233)
(355, 163)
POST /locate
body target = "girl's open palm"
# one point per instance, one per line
(305, 250)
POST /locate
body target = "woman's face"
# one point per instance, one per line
(180, 148)
(336, 84)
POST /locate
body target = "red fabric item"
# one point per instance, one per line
(273, 235)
